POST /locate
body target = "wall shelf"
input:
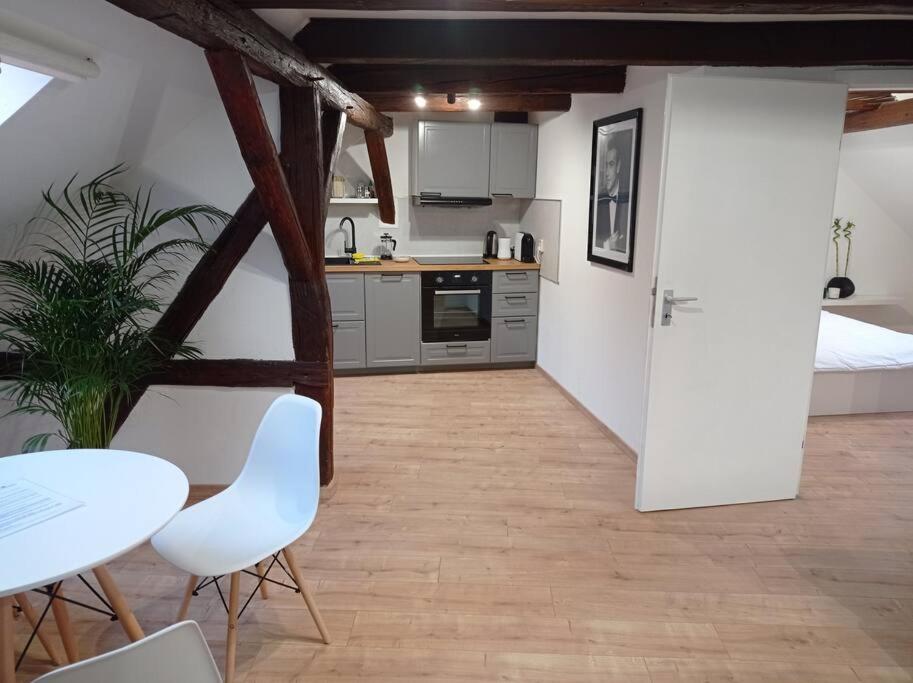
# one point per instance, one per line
(863, 300)
(352, 200)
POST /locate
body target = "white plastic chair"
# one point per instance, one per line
(177, 653)
(268, 507)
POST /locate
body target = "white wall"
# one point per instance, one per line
(593, 326)
(875, 168)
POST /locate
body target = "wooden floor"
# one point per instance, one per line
(482, 529)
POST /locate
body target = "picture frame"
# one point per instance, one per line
(614, 177)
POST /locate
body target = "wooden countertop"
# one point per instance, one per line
(412, 267)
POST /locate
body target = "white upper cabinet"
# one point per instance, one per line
(451, 159)
(513, 159)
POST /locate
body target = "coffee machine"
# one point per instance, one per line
(527, 249)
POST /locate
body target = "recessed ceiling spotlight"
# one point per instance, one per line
(473, 103)
(420, 101)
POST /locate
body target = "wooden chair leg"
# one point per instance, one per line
(7, 653)
(188, 595)
(306, 594)
(231, 641)
(263, 593)
(124, 614)
(32, 617)
(62, 617)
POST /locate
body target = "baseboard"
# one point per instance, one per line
(603, 427)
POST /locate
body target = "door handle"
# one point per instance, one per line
(670, 300)
(678, 300)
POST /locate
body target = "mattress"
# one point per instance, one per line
(848, 345)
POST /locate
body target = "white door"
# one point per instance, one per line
(748, 192)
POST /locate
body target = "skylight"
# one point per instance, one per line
(18, 86)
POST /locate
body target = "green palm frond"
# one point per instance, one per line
(80, 315)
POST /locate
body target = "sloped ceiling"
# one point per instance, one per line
(881, 163)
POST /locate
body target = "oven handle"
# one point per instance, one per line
(438, 292)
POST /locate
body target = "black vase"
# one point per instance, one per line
(847, 288)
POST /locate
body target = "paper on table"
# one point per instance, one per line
(24, 503)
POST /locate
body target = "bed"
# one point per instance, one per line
(861, 368)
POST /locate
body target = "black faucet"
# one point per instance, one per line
(347, 248)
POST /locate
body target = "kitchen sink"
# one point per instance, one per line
(344, 261)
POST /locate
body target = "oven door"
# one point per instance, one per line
(456, 314)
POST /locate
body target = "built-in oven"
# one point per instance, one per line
(456, 305)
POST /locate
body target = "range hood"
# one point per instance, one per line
(435, 199)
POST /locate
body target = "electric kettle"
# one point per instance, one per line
(386, 250)
(491, 245)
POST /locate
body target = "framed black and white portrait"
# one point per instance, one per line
(613, 189)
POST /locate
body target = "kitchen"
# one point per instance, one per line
(454, 283)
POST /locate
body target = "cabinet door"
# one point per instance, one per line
(513, 281)
(513, 159)
(349, 344)
(513, 340)
(452, 159)
(514, 305)
(393, 316)
(347, 295)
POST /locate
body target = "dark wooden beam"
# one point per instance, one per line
(646, 6)
(380, 170)
(242, 104)
(211, 273)
(221, 24)
(236, 372)
(490, 80)
(886, 116)
(308, 157)
(394, 102)
(607, 42)
(204, 283)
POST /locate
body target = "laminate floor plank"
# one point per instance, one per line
(501, 544)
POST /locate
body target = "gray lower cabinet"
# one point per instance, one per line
(513, 340)
(526, 303)
(347, 295)
(393, 320)
(349, 344)
(456, 353)
(514, 281)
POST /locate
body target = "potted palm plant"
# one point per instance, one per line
(77, 320)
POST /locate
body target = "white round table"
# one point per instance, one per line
(126, 497)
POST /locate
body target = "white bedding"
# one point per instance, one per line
(845, 344)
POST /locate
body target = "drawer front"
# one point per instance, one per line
(511, 281)
(454, 353)
(348, 345)
(514, 305)
(347, 295)
(513, 340)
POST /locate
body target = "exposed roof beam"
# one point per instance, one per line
(607, 42)
(392, 102)
(646, 6)
(541, 80)
(886, 116)
(220, 24)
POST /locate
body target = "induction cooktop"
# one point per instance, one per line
(449, 260)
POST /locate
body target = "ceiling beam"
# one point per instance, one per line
(886, 116)
(645, 6)
(220, 24)
(539, 80)
(511, 42)
(393, 102)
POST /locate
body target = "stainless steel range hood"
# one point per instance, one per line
(435, 199)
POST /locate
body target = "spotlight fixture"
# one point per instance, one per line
(451, 98)
(420, 101)
(473, 103)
